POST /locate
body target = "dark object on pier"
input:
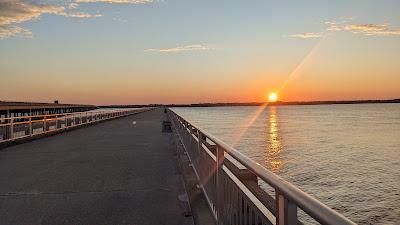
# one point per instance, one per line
(166, 127)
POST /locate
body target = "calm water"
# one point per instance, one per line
(348, 156)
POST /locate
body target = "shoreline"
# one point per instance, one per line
(278, 103)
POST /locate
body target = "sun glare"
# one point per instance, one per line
(273, 97)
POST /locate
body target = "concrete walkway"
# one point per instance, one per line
(115, 172)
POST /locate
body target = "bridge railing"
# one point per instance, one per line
(234, 195)
(13, 128)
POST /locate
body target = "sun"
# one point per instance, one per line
(273, 97)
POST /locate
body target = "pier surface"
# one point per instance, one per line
(115, 172)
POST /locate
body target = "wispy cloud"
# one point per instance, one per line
(73, 5)
(333, 26)
(307, 35)
(196, 47)
(14, 12)
(10, 31)
(368, 29)
(81, 15)
(365, 29)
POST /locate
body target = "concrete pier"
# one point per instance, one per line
(122, 171)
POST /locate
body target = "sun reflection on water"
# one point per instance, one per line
(273, 159)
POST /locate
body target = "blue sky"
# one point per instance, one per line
(108, 51)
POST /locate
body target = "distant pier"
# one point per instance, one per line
(13, 109)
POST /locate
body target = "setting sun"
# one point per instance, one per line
(273, 97)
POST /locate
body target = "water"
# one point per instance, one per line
(347, 156)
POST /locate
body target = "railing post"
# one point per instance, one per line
(11, 128)
(56, 122)
(220, 189)
(44, 124)
(280, 208)
(291, 212)
(30, 132)
(286, 210)
(200, 142)
(190, 129)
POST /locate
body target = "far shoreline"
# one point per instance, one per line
(278, 103)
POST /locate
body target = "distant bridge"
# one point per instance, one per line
(13, 109)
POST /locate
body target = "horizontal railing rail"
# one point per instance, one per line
(234, 195)
(20, 127)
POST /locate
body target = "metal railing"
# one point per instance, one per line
(234, 195)
(14, 128)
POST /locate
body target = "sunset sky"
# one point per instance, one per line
(167, 51)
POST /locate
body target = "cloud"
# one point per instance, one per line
(16, 11)
(116, 1)
(333, 26)
(13, 12)
(364, 29)
(368, 29)
(73, 5)
(10, 31)
(196, 47)
(307, 35)
(81, 15)
(372, 29)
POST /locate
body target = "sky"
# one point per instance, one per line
(169, 51)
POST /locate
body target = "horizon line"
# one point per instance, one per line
(391, 100)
